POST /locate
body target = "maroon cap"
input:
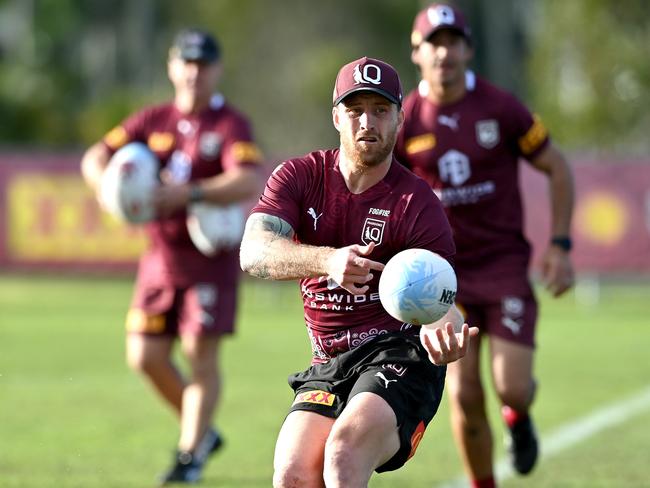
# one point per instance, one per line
(435, 17)
(368, 74)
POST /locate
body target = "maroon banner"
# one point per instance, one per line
(50, 220)
(611, 225)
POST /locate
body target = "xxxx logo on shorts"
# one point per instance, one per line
(319, 397)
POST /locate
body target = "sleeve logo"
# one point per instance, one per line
(116, 138)
(246, 152)
(535, 136)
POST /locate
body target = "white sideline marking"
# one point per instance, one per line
(573, 433)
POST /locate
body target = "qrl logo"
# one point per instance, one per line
(370, 73)
(373, 231)
(448, 297)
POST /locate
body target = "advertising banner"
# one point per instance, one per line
(49, 220)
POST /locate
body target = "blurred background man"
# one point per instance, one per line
(465, 136)
(207, 153)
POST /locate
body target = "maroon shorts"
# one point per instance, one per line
(202, 309)
(513, 319)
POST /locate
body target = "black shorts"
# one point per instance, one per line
(394, 366)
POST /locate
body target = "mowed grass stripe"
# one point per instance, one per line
(73, 415)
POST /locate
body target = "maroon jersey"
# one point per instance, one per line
(189, 147)
(399, 212)
(468, 151)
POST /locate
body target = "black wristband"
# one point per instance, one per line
(563, 242)
(196, 193)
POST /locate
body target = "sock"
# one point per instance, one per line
(484, 483)
(512, 417)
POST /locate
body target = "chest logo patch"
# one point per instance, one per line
(373, 231)
(487, 133)
(209, 145)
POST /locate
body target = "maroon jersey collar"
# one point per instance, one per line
(378, 188)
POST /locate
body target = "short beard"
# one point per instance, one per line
(368, 159)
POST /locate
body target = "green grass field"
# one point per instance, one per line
(73, 415)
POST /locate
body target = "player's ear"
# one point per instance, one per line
(415, 55)
(219, 71)
(335, 118)
(170, 68)
(400, 118)
(469, 51)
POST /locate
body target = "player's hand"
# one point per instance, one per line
(350, 269)
(557, 271)
(170, 198)
(444, 345)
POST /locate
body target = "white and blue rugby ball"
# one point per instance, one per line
(417, 286)
(128, 182)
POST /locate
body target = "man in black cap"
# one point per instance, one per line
(207, 154)
(332, 219)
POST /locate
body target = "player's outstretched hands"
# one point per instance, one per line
(350, 269)
(444, 345)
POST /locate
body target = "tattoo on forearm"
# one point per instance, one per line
(258, 259)
(270, 223)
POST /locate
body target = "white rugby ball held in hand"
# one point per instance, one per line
(128, 182)
(417, 286)
(215, 228)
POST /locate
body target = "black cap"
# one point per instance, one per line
(195, 45)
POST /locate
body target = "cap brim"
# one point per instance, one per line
(200, 59)
(195, 55)
(452, 28)
(379, 91)
(203, 57)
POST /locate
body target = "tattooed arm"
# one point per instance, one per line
(268, 251)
